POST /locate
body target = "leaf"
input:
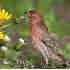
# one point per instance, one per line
(32, 55)
(12, 54)
(2, 54)
(4, 66)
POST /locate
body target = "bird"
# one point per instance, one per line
(40, 38)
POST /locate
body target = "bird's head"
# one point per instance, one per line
(33, 15)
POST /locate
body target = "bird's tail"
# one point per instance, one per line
(63, 60)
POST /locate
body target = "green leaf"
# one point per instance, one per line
(12, 54)
(31, 55)
(4, 66)
(2, 54)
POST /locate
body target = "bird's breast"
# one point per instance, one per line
(34, 33)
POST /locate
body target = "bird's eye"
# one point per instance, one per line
(31, 14)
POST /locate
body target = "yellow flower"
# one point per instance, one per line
(1, 35)
(4, 16)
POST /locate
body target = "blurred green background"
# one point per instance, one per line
(55, 13)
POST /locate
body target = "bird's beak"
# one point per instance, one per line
(25, 12)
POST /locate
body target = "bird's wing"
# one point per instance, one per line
(48, 42)
(42, 28)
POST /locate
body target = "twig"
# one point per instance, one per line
(5, 26)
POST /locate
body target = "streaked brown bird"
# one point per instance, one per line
(40, 39)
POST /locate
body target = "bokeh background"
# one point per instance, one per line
(56, 15)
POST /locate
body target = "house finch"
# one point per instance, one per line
(40, 39)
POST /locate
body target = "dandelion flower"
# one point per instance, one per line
(1, 35)
(4, 16)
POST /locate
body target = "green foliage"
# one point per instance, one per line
(2, 54)
(1, 42)
(12, 54)
(2, 66)
(31, 55)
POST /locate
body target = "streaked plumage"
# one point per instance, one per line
(40, 39)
